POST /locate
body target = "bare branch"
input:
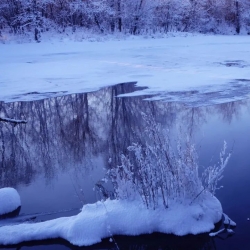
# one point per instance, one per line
(2, 119)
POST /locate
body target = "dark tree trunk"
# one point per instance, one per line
(237, 19)
(119, 15)
(37, 35)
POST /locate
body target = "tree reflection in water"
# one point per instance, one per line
(67, 133)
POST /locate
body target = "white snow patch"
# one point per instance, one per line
(216, 233)
(230, 231)
(9, 200)
(174, 65)
(114, 217)
(228, 221)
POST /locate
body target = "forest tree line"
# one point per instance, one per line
(127, 16)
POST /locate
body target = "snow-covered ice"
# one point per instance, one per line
(114, 217)
(9, 200)
(195, 68)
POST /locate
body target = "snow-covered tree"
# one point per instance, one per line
(128, 16)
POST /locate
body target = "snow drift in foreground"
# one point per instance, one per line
(195, 69)
(9, 200)
(120, 217)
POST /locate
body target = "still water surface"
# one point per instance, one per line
(55, 160)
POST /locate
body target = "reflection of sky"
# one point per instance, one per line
(69, 190)
(65, 182)
(234, 196)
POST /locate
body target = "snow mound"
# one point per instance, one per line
(120, 217)
(9, 200)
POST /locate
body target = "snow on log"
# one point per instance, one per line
(9, 200)
(119, 217)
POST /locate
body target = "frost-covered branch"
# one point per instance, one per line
(213, 174)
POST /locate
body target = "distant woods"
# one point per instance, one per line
(34, 17)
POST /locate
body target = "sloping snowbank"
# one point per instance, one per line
(189, 69)
(9, 200)
(113, 217)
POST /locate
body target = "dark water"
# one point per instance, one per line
(55, 160)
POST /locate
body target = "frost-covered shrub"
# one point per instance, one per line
(214, 173)
(159, 173)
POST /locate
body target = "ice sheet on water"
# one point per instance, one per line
(182, 68)
(238, 89)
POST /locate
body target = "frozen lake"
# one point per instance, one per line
(56, 159)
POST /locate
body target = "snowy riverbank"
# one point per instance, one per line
(198, 69)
